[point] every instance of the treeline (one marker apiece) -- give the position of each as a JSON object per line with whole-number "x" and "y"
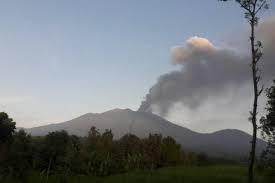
{"x": 96, "y": 154}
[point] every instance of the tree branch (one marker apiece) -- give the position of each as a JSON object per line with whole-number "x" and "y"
{"x": 261, "y": 90}
{"x": 260, "y": 7}
{"x": 245, "y": 7}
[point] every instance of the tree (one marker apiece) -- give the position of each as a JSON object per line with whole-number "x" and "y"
{"x": 268, "y": 126}
{"x": 171, "y": 152}
{"x": 127, "y": 153}
{"x": 107, "y": 141}
{"x": 104, "y": 152}
{"x": 251, "y": 10}
{"x": 74, "y": 156}
{"x": 55, "y": 150}
{"x": 93, "y": 138}
{"x": 7, "y": 127}
{"x": 19, "y": 158}
{"x": 153, "y": 149}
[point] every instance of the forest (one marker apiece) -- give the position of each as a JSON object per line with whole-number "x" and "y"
{"x": 58, "y": 156}
{"x": 96, "y": 154}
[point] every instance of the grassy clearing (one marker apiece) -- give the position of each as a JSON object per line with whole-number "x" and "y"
{"x": 213, "y": 174}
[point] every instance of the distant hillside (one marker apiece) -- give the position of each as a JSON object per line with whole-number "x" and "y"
{"x": 224, "y": 143}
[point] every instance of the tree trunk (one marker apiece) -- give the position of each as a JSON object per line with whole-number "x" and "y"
{"x": 48, "y": 170}
{"x": 255, "y": 103}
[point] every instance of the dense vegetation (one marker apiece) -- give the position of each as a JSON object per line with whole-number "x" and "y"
{"x": 268, "y": 128}
{"x": 97, "y": 154}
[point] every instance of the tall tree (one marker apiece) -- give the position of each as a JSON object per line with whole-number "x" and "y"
{"x": 251, "y": 10}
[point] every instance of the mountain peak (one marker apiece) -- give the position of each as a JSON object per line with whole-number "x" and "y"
{"x": 117, "y": 110}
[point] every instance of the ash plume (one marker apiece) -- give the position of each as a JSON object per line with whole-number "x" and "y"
{"x": 207, "y": 70}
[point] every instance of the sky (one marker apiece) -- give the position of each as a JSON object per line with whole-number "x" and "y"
{"x": 61, "y": 59}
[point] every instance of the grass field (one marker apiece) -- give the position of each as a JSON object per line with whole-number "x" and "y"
{"x": 213, "y": 174}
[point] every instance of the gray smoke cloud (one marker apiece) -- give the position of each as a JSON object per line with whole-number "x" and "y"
{"x": 206, "y": 71}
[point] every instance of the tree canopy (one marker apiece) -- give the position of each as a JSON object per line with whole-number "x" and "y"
{"x": 7, "y": 127}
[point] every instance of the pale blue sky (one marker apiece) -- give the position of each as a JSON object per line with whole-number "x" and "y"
{"x": 60, "y": 59}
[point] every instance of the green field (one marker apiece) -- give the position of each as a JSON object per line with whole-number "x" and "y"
{"x": 213, "y": 174}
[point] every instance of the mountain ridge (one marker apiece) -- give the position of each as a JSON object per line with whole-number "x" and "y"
{"x": 122, "y": 121}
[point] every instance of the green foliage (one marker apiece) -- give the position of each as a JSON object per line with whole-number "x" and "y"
{"x": 7, "y": 127}
{"x": 55, "y": 149}
{"x": 171, "y": 152}
{"x": 17, "y": 162}
{"x": 268, "y": 128}
{"x": 268, "y": 122}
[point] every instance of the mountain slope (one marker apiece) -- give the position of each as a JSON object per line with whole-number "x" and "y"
{"x": 224, "y": 143}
